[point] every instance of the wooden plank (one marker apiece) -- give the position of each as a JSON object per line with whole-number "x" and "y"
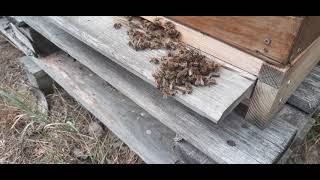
{"x": 307, "y": 96}
{"x": 37, "y": 77}
{"x": 151, "y": 140}
{"x": 299, "y": 119}
{"x": 218, "y": 49}
{"x": 6, "y": 29}
{"x": 249, "y": 33}
{"x": 29, "y": 42}
{"x": 214, "y": 102}
{"x": 252, "y": 145}
{"x": 267, "y": 100}
{"x": 302, "y": 121}
{"x": 188, "y": 154}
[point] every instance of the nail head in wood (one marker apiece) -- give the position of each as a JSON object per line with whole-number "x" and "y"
{"x": 231, "y": 143}
{"x": 267, "y": 41}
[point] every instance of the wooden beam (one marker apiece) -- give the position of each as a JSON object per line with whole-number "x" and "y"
{"x": 217, "y": 48}
{"x": 268, "y": 99}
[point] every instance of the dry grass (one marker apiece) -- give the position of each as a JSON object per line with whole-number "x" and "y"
{"x": 309, "y": 151}
{"x": 69, "y": 134}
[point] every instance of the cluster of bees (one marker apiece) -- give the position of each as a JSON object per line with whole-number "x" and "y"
{"x": 180, "y": 71}
{"x": 144, "y": 34}
{"x": 182, "y": 68}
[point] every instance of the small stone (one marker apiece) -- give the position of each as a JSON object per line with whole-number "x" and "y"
{"x": 95, "y": 129}
{"x": 79, "y": 154}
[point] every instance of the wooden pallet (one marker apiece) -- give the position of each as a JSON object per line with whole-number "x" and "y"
{"x": 232, "y": 140}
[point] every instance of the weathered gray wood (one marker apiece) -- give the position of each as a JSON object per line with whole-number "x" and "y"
{"x": 15, "y": 20}
{"x": 214, "y": 102}
{"x": 6, "y": 29}
{"x": 26, "y": 36}
{"x": 307, "y": 96}
{"x": 151, "y": 140}
{"x": 188, "y": 154}
{"x": 302, "y": 121}
{"x": 21, "y": 37}
{"x": 36, "y": 76}
{"x": 301, "y": 105}
{"x": 299, "y": 119}
{"x": 252, "y": 145}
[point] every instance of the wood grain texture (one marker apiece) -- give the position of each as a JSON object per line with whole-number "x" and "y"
{"x": 214, "y": 102}
{"x": 117, "y": 112}
{"x": 302, "y": 121}
{"x": 307, "y": 96}
{"x": 252, "y": 144}
{"x": 309, "y": 31}
{"x": 15, "y": 39}
{"x": 272, "y": 75}
{"x": 28, "y": 41}
{"x": 248, "y": 33}
{"x": 218, "y": 49}
{"x": 267, "y": 100}
{"x": 188, "y": 154}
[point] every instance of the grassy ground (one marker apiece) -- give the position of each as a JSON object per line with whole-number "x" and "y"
{"x": 309, "y": 151}
{"x": 68, "y": 134}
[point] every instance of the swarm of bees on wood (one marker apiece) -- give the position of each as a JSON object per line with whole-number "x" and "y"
{"x": 182, "y": 68}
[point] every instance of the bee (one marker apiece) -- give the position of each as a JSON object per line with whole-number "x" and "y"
{"x": 155, "y": 60}
{"x": 117, "y": 25}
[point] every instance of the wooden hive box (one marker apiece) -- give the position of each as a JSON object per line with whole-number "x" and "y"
{"x": 275, "y": 39}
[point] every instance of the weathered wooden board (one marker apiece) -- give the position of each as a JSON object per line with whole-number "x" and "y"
{"x": 188, "y": 154}
{"x": 250, "y": 33}
{"x": 214, "y": 102}
{"x": 28, "y": 41}
{"x": 307, "y": 96}
{"x": 36, "y": 76}
{"x": 15, "y": 39}
{"x": 302, "y": 121}
{"x": 252, "y": 145}
{"x": 150, "y": 139}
